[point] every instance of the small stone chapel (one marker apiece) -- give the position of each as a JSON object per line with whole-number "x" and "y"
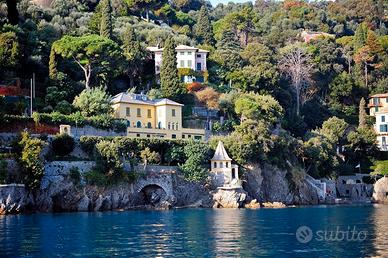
{"x": 224, "y": 173}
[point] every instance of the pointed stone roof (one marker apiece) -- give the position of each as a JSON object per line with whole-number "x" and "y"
{"x": 221, "y": 153}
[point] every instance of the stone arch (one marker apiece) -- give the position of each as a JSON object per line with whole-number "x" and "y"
{"x": 152, "y": 194}
{"x": 138, "y": 124}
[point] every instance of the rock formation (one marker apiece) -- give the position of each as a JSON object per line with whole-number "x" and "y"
{"x": 380, "y": 192}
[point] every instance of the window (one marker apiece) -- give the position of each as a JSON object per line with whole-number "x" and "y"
{"x": 199, "y": 55}
{"x": 382, "y": 118}
{"x": 138, "y": 112}
{"x": 189, "y": 136}
{"x": 182, "y": 53}
{"x": 183, "y": 136}
{"x": 176, "y": 126}
{"x": 160, "y": 125}
{"x": 376, "y": 101}
{"x": 376, "y": 109}
{"x": 172, "y": 126}
{"x": 173, "y": 136}
{"x": 215, "y": 164}
{"x": 384, "y": 140}
{"x": 169, "y": 126}
{"x": 149, "y": 125}
{"x": 199, "y": 66}
{"x": 182, "y": 63}
{"x": 148, "y": 136}
{"x": 383, "y": 128}
{"x": 138, "y": 124}
{"x": 197, "y": 137}
{"x": 173, "y": 112}
{"x": 189, "y": 63}
{"x": 227, "y": 164}
{"x": 157, "y": 68}
{"x": 221, "y": 165}
{"x": 189, "y": 53}
{"x": 149, "y": 113}
{"x": 138, "y": 135}
{"x": 128, "y": 111}
{"x": 386, "y": 100}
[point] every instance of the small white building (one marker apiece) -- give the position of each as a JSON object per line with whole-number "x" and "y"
{"x": 224, "y": 173}
{"x": 187, "y": 57}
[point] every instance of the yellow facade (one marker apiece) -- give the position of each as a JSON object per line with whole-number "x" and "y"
{"x": 377, "y": 103}
{"x": 160, "y": 118}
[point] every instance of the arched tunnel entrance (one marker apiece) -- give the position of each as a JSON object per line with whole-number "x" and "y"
{"x": 152, "y": 195}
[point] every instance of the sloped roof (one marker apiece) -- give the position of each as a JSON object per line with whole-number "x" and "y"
{"x": 141, "y": 99}
{"x": 221, "y": 153}
{"x": 179, "y": 47}
{"x": 382, "y": 95}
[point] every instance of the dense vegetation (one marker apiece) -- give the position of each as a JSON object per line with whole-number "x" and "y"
{"x": 286, "y": 101}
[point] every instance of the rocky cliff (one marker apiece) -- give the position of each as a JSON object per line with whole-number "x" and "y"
{"x": 162, "y": 187}
{"x": 380, "y": 190}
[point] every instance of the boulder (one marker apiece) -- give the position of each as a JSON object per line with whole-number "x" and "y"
{"x": 380, "y": 192}
{"x": 274, "y": 205}
{"x": 229, "y": 198}
{"x": 252, "y": 205}
{"x": 14, "y": 199}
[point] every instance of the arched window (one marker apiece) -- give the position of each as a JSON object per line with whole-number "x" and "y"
{"x": 226, "y": 164}
{"x": 172, "y": 126}
{"x": 169, "y": 126}
{"x": 160, "y": 125}
{"x": 149, "y": 125}
{"x": 215, "y": 164}
{"x": 176, "y": 127}
{"x": 138, "y": 124}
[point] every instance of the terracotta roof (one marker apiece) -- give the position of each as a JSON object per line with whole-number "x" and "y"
{"x": 141, "y": 99}
{"x": 381, "y": 95}
{"x": 221, "y": 153}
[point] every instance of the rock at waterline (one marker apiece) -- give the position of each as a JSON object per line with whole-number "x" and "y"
{"x": 380, "y": 190}
{"x": 229, "y": 198}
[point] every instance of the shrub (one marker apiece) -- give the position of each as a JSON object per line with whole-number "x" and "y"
{"x": 93, "y": 102}
{"x": 194, "y": 86}
{"x": 75, "y": 175}
{"x": 197, "y": 157}
{"x": 95, "y": 177}
{"x": 107, "y": 157}
{"x": 62, "y": 144}
{"x": 31, "y": 161}
{"x": 149, "y": 156}
{"x": 3, "y": 171}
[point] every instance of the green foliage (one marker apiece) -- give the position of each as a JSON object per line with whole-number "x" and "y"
{"x": 203, "y": 28}
{"x": 380, "y": 167}
{"x": 195, "y": 167}
{"x": 170, "y": 82}
{"x": 108, "y": 158}
{"x": 96, "y": 177}
{"x": 106, "y": 26}
{"x": 75, "y": 176}
{"x": 175, "y": 155}
{"x": 149, "y": 156}
{"x": 62, "y": 144}
{"x": 334, "y": 129}
{"x": 31, "y": 161}
{"x": 3, "y": 171}
{"x": 9, "y": 51}
{"x": 93, "y": 102}
{"x": 259, "y": 107}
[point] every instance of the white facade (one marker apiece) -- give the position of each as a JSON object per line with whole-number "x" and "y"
{"x": 381, "y": 128}
{"x": 224, "y": 173}
{"x": 187, "y": 57}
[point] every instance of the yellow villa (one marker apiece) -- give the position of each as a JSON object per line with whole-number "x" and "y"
{"x": 159, "y": 118}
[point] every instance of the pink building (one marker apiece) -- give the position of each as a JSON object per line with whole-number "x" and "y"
{"x": 187, "y": 57}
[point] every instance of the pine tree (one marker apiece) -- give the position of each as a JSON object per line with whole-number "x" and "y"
{"x": 360, "y": 36}
{"x": 362, "y": 114}
{"x": 170, "y": 82}
{"x": 373, "y": 43}
{"x": 106, "y": 27}
{"x": 203, "y": 30}
{"x": 133, "y": 53}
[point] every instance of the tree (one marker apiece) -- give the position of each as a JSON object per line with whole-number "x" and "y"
{"x": 209, "y": 97}
{"x": 361, "y": 35}
{"x": 362, "y": 114}
{"x": 365, "y": 58}
{"x": 13, "y": 13}
{"x": 133, "y": 53}
{"x": 108, "y": 157}
{"x": 106, "y": 26}
{"x": 259, "y": 108}
{"x": 334, "y": 129}
{"x": 31, "y": 160}
{"x": 197, "y": 156}
{"x": 296, "y": 63}
{"x": 93, "y": 102}
{"x": 170, "y": 82}
{"x": 92, "y": 53}
{"x": 149, "y": 156}
{"x": 9, "y": 50}
{"x": 62, "y": 144}
{"x": 145, "y": 5}
{"x": 203, "y": 28}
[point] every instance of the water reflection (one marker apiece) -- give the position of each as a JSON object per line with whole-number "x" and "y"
{"x": 380, "y": 226}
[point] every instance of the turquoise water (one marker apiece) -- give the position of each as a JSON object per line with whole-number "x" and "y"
{"x": 199, "y": 233}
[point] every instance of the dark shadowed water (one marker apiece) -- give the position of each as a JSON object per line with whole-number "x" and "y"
{"x": 331, "y": 231}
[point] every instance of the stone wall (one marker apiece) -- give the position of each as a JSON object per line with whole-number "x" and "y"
{"x": 77, "y": 132}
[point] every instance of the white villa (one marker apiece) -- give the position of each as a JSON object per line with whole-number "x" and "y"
{"x": 191, "y": 58}
{"x": 224, "y": 173}
{"x": 378, "y": 107}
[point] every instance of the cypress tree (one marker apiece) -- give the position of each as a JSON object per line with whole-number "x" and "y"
{"x": 53, "y": 66}
{"x": 170, "y": 82}
{"x": 133, "y": 53}
{"x": 203, "y": 30}
{"x": 361, "y": 35}
{"x": 362, "y": 114}
{"x": 106, "y": 27}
